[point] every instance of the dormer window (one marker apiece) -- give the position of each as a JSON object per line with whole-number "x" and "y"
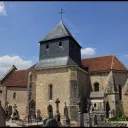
{"x": 60, "y": 44}
{"x": 47, "y": 46}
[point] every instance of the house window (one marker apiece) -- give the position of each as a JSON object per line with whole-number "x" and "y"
{"x": 96, "y": 87}
{"x": 50, "y": 92}
{"x": 47, "y": 46}
{"x": 60, "y": 43}
{"x": 14, "y": 95}
{"x": 120, "y": 92}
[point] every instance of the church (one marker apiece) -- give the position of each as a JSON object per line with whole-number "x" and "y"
{"x": 61, "y": 73}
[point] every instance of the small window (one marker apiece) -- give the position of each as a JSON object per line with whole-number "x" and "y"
{"x": 47, "y": 46}
{"x": 120, "y": 92}
{"x": 60, "y": 43}
{"x": 14, "y": 95}
{"x": 96, "y": 87}
{"x": 50, "y": 92}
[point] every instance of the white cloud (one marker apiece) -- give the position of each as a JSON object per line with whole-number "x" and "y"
{"x": 2, "y": 9}
{"x": 6, "y": 63}
{"x": 88, "y": 51}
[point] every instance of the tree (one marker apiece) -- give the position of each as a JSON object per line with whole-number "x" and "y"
{"x": 119, "y": 111}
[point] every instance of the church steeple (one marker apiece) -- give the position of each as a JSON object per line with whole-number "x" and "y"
{"x": 59, "y": 48}
{"x": 60, "y": 31}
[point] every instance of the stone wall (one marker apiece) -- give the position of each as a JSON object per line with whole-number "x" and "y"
{"x": 21, "y": 98}
{"x": 66, "y": 82}
{"x": 79, "y": 86}
{"x": 59, "y": 79}
{"x": 101, "y": 78}
{"x": 121, "y": 79}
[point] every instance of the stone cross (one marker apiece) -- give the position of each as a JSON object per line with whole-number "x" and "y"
{"x": 57, "y": 111}
{"x": 15, "y": 113}
{"x": 57, "y": 105}
{"x": 61, "y": 13}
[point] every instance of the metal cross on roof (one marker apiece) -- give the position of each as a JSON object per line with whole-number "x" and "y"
{"x": 61, "y": 13}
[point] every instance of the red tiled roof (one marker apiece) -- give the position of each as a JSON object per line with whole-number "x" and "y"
{"x": 17, "y": 78}
{"x": 103, "y": 63}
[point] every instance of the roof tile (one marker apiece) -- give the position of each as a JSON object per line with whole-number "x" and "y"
{"x": 17, "y": 78}
{"x": 103, "y": 63}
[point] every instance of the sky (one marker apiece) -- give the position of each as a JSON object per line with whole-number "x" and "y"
{"x": 101, "y": 28}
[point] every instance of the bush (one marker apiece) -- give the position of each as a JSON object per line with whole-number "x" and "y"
{"x": 119, "y": 111}
{"x": 116, "y": 118}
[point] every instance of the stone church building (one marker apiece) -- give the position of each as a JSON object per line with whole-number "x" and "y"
{"x": 61, "y": 73}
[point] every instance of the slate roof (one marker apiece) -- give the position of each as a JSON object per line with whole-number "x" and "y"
{"x": 103, "y": 63}
{"x": 59, "y": 31}
{"x": 96, "y": 94}
{"x": 17, "y": 78}
{"x": 53, "y": 62}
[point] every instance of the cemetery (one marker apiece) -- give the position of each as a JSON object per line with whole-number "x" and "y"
{"x": 84, "y": 119}
{"x": 85, "y": 92}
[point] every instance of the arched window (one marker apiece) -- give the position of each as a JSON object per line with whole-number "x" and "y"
{"x": 14, "y": 95}
{"x": 96, "y": 86}
{"x": 120, "y": 92}
{"x": 50, "y": 92}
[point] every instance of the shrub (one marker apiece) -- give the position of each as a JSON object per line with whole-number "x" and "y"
{"x": 116, "y": 118}
{"x": 119, "y": 111}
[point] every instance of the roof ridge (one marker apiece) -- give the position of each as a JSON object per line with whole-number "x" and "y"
{"x": 22, "y": 70}
{"x": 97, "y": 56}
{"x": 4, "y": 76}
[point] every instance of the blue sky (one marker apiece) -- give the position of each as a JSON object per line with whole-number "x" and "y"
{"x": 101, "y": 28}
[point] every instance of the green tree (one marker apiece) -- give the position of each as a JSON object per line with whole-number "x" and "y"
{"x": 119, "y": 111}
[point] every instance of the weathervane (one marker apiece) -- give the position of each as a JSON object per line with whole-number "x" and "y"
{"x": 61, "y": 13}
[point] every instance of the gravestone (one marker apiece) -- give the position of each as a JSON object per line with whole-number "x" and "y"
{"x": 95, "y": 120}
{"x": 15, "y": 113}
{"x": 9, "y": 111}
{"x": 86, "y": 119}
{"x": 80, "y": 117}
{"x": 6, "y": 109}
{"x": 39, "y": 118}
{"x": 32, "y": 113}
{"x": 50, "y": 121}
{"x": 66, "y": 121}
{"x": 50, "y": 111}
